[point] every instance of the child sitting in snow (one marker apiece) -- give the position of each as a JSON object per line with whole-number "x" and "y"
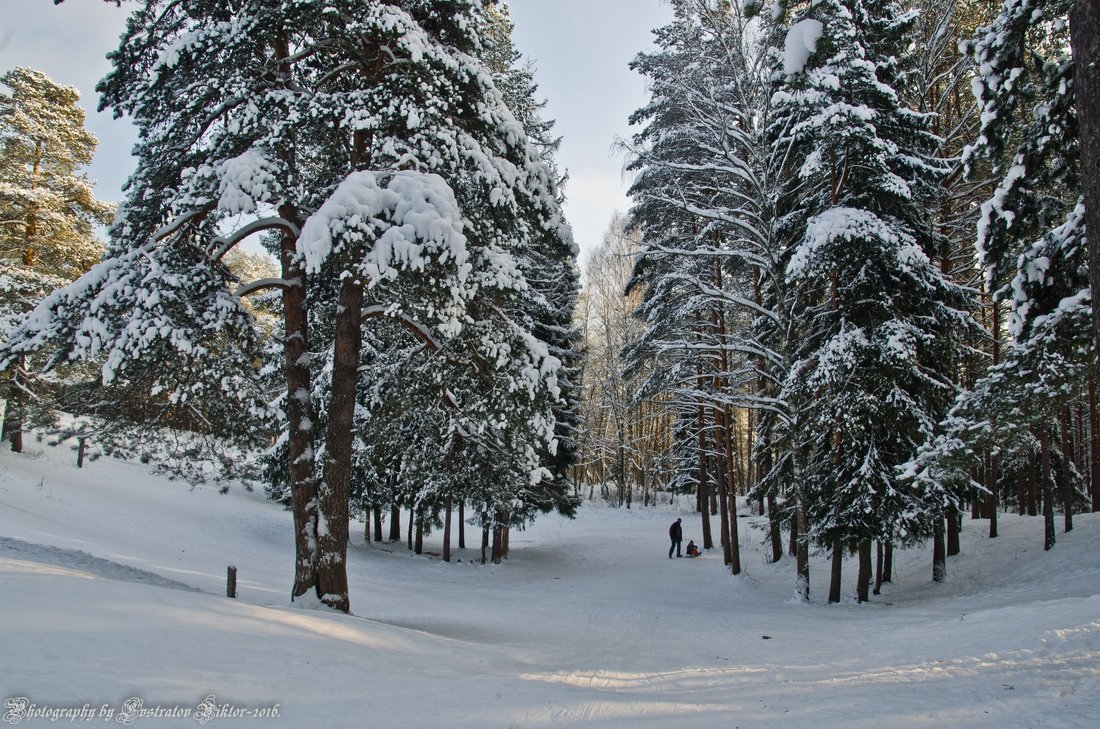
{"x": 692, "y": 550}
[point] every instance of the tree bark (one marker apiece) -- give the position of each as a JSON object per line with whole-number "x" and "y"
{"x": 953, "y": 529}
{"x": 704, "y": 481}
{"x": 332, "y": 541}
{"x": 939, "y": 552}
{"x": 863, "y": 580}
{"x": 301, "y": 468}
{"x": 447, "y": 530}
{"x": 377, "y": 523}
{"x": 395, "y": 523}
{"x": 1084, "y": 28}
{"x": 878, "y": 568}
{"x": 773, "y": 529}
{"x": 836, "y": 572}
{"x": 461, "y": 524}
{"x": 1067, "y": 462}
{"x": 1048, "y": 495}
{"x": 1094, "y": 446}
{"x": 888, "y": 562}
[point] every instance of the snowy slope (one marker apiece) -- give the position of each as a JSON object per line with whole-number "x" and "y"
{"x": 112, "y": 587}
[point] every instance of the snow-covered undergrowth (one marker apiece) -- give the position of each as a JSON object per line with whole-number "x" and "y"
{"x": 587, "y": 624}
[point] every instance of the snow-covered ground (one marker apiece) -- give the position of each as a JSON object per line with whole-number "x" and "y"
{"x": 112, "y": 587}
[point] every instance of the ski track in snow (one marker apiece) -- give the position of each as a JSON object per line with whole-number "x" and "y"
{"x": 17, "y": 555}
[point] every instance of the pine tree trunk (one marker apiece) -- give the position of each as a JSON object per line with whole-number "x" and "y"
{"x": 773, "y": 529}
{"x": 953, "y": 529}
{"x": 731, "y": 484}
{"x": 1067, "y": 461}
{"x": 888, "y": 562}
{"x": 939, "y": 552}
{"x": 878, "y": 568}
{"x": 991, "y": 497}
{"x": 497, "y": 529}
{"x": 722, "y": 483}
{"x": 395, "y": 523}
{"x": 332, "y": 542}
{"x": 1094, "y": 446}
{"x": 13, "y": 419}
{"x": 1032, "y": 486}
{"x": 1085, "y": 43}
{"x": 704, "y": 480}
{"x": 506, "y": 531}
{"x": 1048, "y": 495}
{"x": 484, "y": 537}
{"x": 301, "y": 467}
{"x": 863, "y": 580}
{"x": 836, "y": 572}
{"x": 447, "y": 530}
{"x": 377, "y": 513}
{"x": 461, "y": 524}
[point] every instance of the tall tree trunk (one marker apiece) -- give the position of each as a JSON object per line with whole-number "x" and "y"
{"x": 837, "y": 571}
{"x": 1048, "y": 495}
{"x": 704, "y": 481}
{"x": 863, "y": 580}
{"x": 497, "y": 529}
{"x": 1032, "y": 486}
{"x": 377, "y": 523}
{"x": 332, "y": 542}
{"x": 506, "y": 531}
{"x": 722, "y": 483}
{"x": 1067, "y": 462}
{"x": 395, "y": 523}
{"x": 447, "y": 530}
{"x": 1094, "y": 446}
{"x": 939, "y": 552}
{"x": 461, "y": 524}
{"x": 299, "y": 407}
{"x": 731, "y": 483}
{"x": 878, "y": 568}
{"x": 888, "y": 562}
{"x": 953, "y": 528}
{"x": 418, "y": 540}
{"x": 773, "y": 529}
{"x": 1084, "y": 28}
{"x": 994, "y": 475}
{"x": 13, "y": 420}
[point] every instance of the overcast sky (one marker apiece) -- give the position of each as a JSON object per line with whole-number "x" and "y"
{"x": 581, "y": 49}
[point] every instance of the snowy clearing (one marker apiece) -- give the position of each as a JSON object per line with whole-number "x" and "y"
{"x": 112, "y": 587}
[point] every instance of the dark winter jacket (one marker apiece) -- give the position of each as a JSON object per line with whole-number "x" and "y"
{"x": 675, "y": 532}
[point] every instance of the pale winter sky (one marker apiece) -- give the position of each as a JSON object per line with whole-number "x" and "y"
{"x": 581, "y": 49}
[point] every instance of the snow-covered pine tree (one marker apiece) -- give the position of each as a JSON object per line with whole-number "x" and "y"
{"x": 369, "y": 137}
{"x": 1032, "y": 248}
{"x": 48, "y": 210}
{"x": 881, "y": 322}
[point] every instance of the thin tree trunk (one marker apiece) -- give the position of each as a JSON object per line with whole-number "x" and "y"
{"x": 939, "y": 552}
{"x": 992, "y": 497}
{"x": 863, "y": 580}
{"x": 447, "y": 530}
{"x": 1084, "y": 30}
{"x": 1067, "y": 462}
{"x": 878, "y": 568}
{"x": 13, "y": 420}
{"x": 704, "y": 481}
{"x": 418, "y": 539}
{"x": 506, "y": 531}
{"x": 395, "y": 523}
{"x": 773, "y": 529}
{"x": 836, "y": 572}
{"x": 1048, "y": 495}
{"x": 888, "y": 562}
{"x": 1094, "y": 446}
{"x": 953, "y": 528}
{"x": 461, "y": 524}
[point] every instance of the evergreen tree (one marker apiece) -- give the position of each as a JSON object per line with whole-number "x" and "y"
{"x": 48, "y": 210}
{"x": 881, "y": 320}
{"x": 371, "y": 143}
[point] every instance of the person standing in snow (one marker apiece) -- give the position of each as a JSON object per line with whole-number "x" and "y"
{"x": 676, "y": 534}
